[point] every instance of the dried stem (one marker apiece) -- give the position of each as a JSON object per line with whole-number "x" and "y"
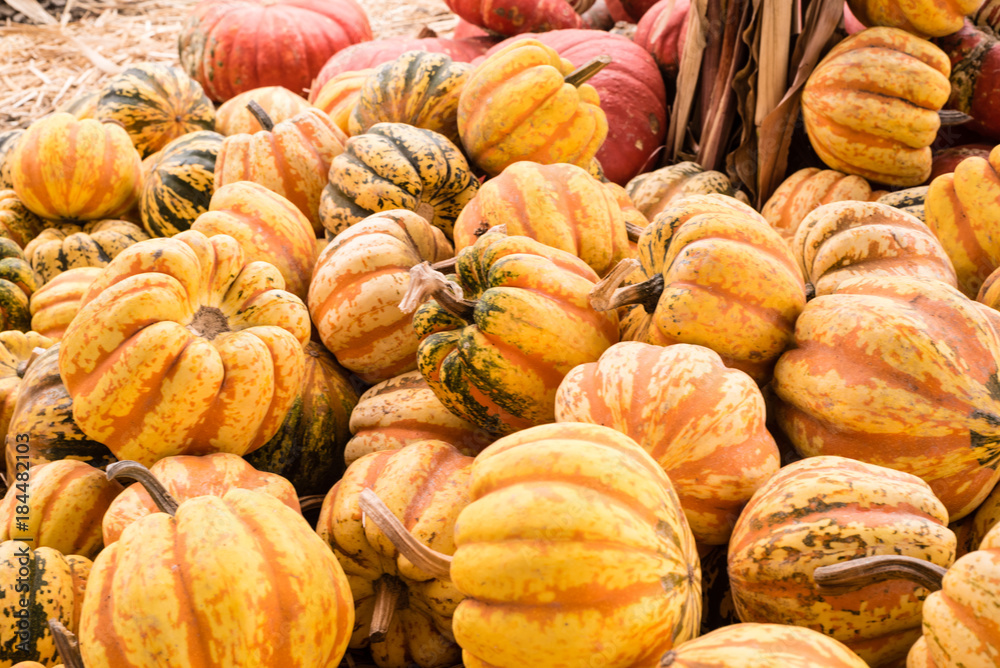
{"x": 633, "y": 231}
{"x": 951, "y": 117}
{"x": 387, "y": 591}
{"x": 603, "y": 291}
{"x": 127, "y": 471}
{"x": 587, "y": 70}
{"x": 66, "y": 644}
{"x": 448, "y": 265}
{"x": 581, "y": 6}
{"x": 261, "y": 115}
{"x": 312, "y": 502}
{"x": 849, "y": 576}
{"x": 425, "y": 283}
{"x": 430, "y": 561}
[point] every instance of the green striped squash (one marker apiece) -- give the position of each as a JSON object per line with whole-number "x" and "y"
{"x": 910, "y": 200}
{"x": 18, "y": 222}
{"x": 180, "y": 183}
{"x": 8, "y": 140}
{"x": 308, "y": 449}
{"x": 155, "y": 103}
{"x": 68, "y": 246}
{"x": 17, "y": 283}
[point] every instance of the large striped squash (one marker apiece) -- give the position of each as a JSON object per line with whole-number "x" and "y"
{"x": 267, "y": 226}
{"x": 244, "y": 557}
{"x": 843, "y": 239}
{"x": 762, "y": 646}
{"x": 69, "y": 246}
{"x": 900, "y": 372}
{"x": 183, "y": 347}
{"x": 54, "y": 583}
{"x": 397, "y": 166}
{"x": 825, "y": 510}
{"x": 560, "y": 205}
{"x": 359, "y": 280}
{"x": 404, "y": 410}
{"x": 18, "y": 282}
{"x": 17, "y": 222}
{"x": 54, "y": 305}
{"x": 573, "y": 543}
{"x": 702, "y": 422}
{"x": 291, "y": 158}
{"x": 280, "y": 104}
{"x": 659, "y": 189}
{"x": 403, "y": 613}
{"x": 179, "y": 184}
{"x": 8, "y": 140}
{"x": 497, "y": 356}
{"x": 308, "y": 449}
{"x": 69, "y": 169}
{"x": 18, "y": 351}
{"x": 808, "y": 189}
{"x": 155, "y": 103}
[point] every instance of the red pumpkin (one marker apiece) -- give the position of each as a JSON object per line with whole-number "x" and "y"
{"x": 945, "y": 160}
{"x": 630, "y": 11}
{"x": 662, "y": 31}
{"x": 514, "y": 17}
{"x": 632, "y": 94}
{"x": 975, "y": 77}
{"x": 232, "y": 46}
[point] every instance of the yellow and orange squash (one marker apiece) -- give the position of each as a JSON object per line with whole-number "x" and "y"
{"x": 762, "y": 646}
{"x": 181, "y": 346}
{"x": 233, "y": 118}
{"x": 923, "y": 18}
{"x": 18, "y": 351}
{"x": 54, "y": 305}
{"x": 806, "y": 190}
{"x": 18, "y": 282}
{"x": 69, "y": 246}
{"x": 338, "y": 96}
{"x": 8, "y": 140}
{"x": 17, "y": 222}
{"x": 655, "y": 191}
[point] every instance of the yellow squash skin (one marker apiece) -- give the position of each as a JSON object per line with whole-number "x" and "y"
{"x": 186, "y": 477}
{"x": 57, "y": 249}
{"x": 960, "y": 621}
{"x": 233, "y": 118}
{"x": 419, "y": 88}
{"x": 292, "y": 159}
{"x": 397, "y": 166}
{"x": 730, "y": 283}
{"x": 560, "y": 205}
{"x": 517, "y": 105}
{"x": 824, "y": 510}
{"x": 63, "y": 168}
{"x": 655, "y": 191}
{"x": 339, "y": 95}
{"x": 701, "y": 421}
{"x": 762, "y": 646}
{"x": 870, "y": 106}
{"x": 359, "y": 280}
{"x": 899, "y": 372}
{"x": 66, "y": 500}
{"x": 404, "y": 410}
{"x": 532, "y": 323}
{"x": 17, "y": 222}
{"x": 923, "y": 18}
{"x": 962, "y": 208}
{"x": 808, "y": 189}
{"x": 16, "y": 351}
{"x": 208, "y": 345}
{"x": 843, "y": 239}
{"x": 53, "y": 305}
{"x": 575, "y": 545}
{"x": 52, "y": 587}
{"x": 267, "y": 226}
{"x": 240, "y": 580}
{"x": 425, "y": 485}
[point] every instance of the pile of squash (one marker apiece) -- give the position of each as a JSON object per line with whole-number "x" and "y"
{"x": 435, "y": 364}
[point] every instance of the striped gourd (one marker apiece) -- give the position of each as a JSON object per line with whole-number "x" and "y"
{"x": 910, "y": 200}
{"x": 419, "y": 88}
{"x": 843, "y": 239}
{"x": 17, "y": 222}
{"x": 308, "y": 449}
{"x": 702, "y": 422}
{"x": 17, "y": 354}
{"x": 404, "y": 410}
{"x": 18, "y": 281}
{"x": 900, "y": 372}
{"x": 825, "y": 510}
{"x": 807, "y": 189}
{"x": 8, "y": 140}
{"x": 55, "y": 586}
{"x": 397, "y": 166}
{"x": 179, "y": 184}
{"x": 233, "y": 117}
{"x": 57, "y": 249}
{"x": 654, "y": 191}
{"x": 338, "y": 96}
{"x": 54, "y": 304}
{"x": 155, "y": 103}
{"x": 762, "y": 646}
{"x": 496, "y": 357}
{"x": 44, "y": 411}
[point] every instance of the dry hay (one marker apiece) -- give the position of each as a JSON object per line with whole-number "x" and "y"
{"x": 42, "y": 67}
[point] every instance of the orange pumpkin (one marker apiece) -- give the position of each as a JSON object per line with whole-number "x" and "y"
{"x": 279, "y": 103}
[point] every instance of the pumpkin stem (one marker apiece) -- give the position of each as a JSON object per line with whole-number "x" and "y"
{"x": 603, "y": 293}
{"x": 430, "y": 561}
{"x": 311, "y": 502}
{"x": 633, "y": 231}
{"x": 668, "y": 659}
{"x": 387, "y": 591}
{"x": 581, "y": 6}
{"x": 448, "y": 265}
{"x": 261, "y": 115}
{"x": 128, "y": 470}
{"x": 425, "y": 211}
{"x": 426, "y": 283}
{"x": 849, "y": 576}
{"x": 66, "y": 644}
{"x": 587, "y": 70}
{"x": 951, "y": 117}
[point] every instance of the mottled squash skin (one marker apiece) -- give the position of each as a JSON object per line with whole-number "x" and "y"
{"x": 179, "y": 184}
{"x": 824, "y": 510}
{"x": 56, "y": 585}
{"x": 806, "y": 190}
{"x": 426, "y": 486}
{"x": 923, "y": 18}
{"x": 57, "y": 249}
{"x": 339, "y": 95}
{"x": 656, "y": 191}
{"x": 762, "y": 646}
{"x": 54, "y": 305}
{"x": 233, "y": 117}
{"x": 17, "y": 354}
{"x": 18, "y": 281}
{"x": 17, "y": 222}
{"x": 572, "y": 542}
{"x": 8, "y": 140}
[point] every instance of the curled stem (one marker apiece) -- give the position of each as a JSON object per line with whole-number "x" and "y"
{"x": 849, "y": 576}
{"x": 430, "y": 561}
{"x": 128, "y": 471}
